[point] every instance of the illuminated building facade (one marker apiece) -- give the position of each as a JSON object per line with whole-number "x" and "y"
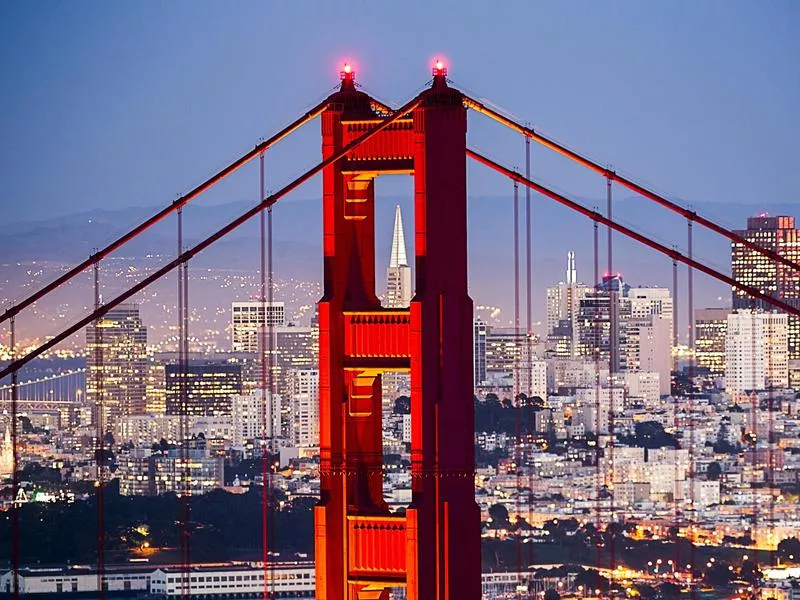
{"x": 116, "y": 349}
{"x": 304, "y": 419}
{"x": 563, "y": 302}
{"x": 756, "y": 351}
{"x": 209, "y": 388}
{"x": 479, "y": 332}
{"x": 710, "y": 328}
{"x": 779, "y": 235}
{"x": 606, "y": 304}
{"x": 247, "y": 319}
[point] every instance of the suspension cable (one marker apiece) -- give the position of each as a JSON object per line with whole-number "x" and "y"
{"x": 199, "y": 247}
{"x": 517, "y": 388}
{"x": 614, "y": 359}
{"x": 100, "y": 426}
{"x": 599, "y": 469}
{"x": 691, "y": 406}
{"x": 651, "y": 195}
{"x": 628, "y": 232}
{"x": 529, "y": 318}
{"x": 98, "y": 255}
{"x": 263, "y": 352}
{"x": 15, "y": 505}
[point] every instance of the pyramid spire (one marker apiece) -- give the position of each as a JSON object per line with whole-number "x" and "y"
{"x": 398, "y": 257}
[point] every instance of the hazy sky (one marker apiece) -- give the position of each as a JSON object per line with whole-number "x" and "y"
{"x": 116, "y": 104}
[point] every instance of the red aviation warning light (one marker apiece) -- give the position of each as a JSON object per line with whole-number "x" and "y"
{"x": 347, "y": 72}
{"x": 439, "y": 70}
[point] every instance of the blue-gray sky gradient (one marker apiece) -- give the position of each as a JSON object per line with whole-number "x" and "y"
{"x": 130, "y": 103}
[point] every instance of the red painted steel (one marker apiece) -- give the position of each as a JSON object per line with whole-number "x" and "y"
{"x": 631, "y": 185}
{"x": 361, "y": 548}
{"x": 270, "y": 200}
{"x": 642, "y": 239}
{"x": 164, "y": 212}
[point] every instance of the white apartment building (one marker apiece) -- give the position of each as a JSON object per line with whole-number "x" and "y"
{"x": 304, "y": 399}
{"x": 756, "y": 351}
{"x": 644, "y": 385}
{"x": 649, "y": 348}
{"x": 254, "y": 419}
{"x": 247, "y": 319}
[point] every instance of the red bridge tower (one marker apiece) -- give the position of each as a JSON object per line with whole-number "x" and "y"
{"x": 362, "y": 548}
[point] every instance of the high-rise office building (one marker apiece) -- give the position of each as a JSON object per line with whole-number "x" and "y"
{"x": 253, "y": 419}
{"x": 601, "y": 307}
{"x": 304, "y": 426}
{"x": 398, "y": 274}
{"x": 649, "y": 333}
{"x": 648, "y": 348}
{"x": 651, "y": 301}
{"x": 116, "y": 363}
{"x": 399, "y": 291}
{"x": 209, "y": 388}
{"x": 247, "y": 319}
{"x": 479, "y": 331}
{"x": 756, "y": 351}
{"x": 500, "y": 360}
{"x": 710, "y": 328}
{"x": 563, "y": 302}
{"x": 779, "y": 235}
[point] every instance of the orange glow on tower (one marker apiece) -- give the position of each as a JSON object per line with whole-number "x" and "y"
{"x": 362, "y": 549}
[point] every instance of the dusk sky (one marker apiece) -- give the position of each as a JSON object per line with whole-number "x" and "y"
{"x": 119, "y": 104}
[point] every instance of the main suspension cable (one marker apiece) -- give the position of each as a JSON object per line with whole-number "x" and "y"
{"x": 606, "y": 172}
{"x": 214, "y": 237}
{"x": 181, "y": 201}
{"x": 634, "y": 235}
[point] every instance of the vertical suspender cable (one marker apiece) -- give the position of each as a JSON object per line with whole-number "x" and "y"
{"x": 597, "y": 420}
{"x": 675, "y": 311}
{"x": 270, "y": 369}
{"x": 754, "y": 409}
{"x": 517, "y": 347}
{"x": 676, "y": 510}
{"x": 517, "y": 388}
{"x": 613, "y": 366}
{"x": 15, "y": 467}
{"x": 691, "y": 457}
{"x": 187, "y": 472}
{"x": 529, "y": 300}
{"x": 184, "y": 488}
{"x": 264, "y": 397}
{"x": 771, "y": 451}
{"x": 99, "y": 435}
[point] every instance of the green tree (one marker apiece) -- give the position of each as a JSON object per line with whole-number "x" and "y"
{"x": 499, "y": 516}
{"x": 402, "y": 405}
{"x": 551, "y": 594}
{"x": 714, "y": 471}
{"x": 789, "y": 549}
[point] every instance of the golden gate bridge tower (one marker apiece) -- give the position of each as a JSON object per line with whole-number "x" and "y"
{"x": 362, "y": 549}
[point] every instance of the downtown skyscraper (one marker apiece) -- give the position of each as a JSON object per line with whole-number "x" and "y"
{"x": 398, "y": 275}
{"x": 779, "y": 235}
{"x": 399, "y": 291}
{"x": 563, "y": 302}
{"x": 116, "y": 366}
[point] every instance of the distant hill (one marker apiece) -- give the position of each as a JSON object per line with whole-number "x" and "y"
{"x": 297, "y": 225}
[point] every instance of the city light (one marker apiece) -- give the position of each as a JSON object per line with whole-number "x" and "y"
{"x": 596, "y": 429}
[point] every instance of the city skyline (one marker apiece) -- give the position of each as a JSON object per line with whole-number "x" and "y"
{"x": 390, "y": 391}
